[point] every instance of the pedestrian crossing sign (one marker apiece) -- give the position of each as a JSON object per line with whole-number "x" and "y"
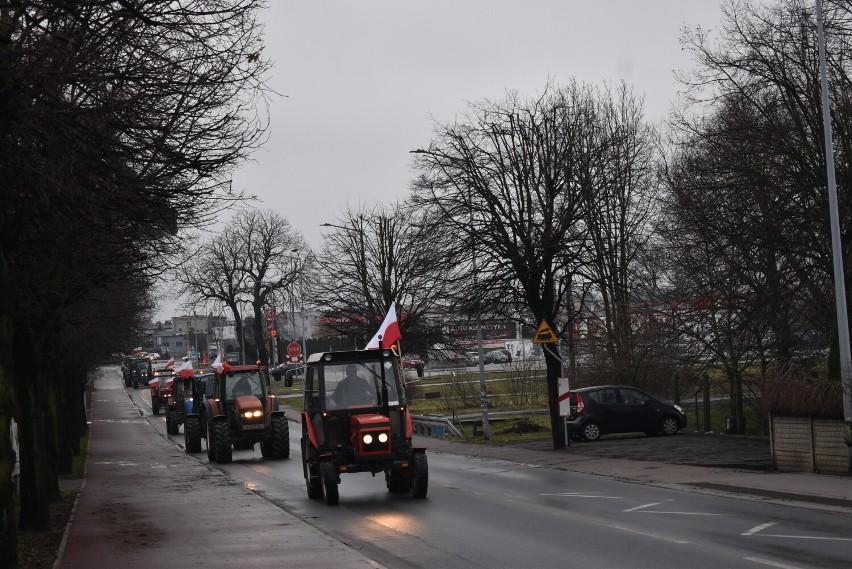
{"x": 545, "y": 334}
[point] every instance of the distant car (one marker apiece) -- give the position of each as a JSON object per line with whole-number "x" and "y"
{"x": 606, "y": 409}
{"x": 496, "y": 357}
{"x": 287, "y": 369}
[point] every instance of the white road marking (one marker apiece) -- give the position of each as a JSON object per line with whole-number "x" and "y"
{"x": 761, "y": 527}
{"x": 651, "y": 505}
{"x": 582, "y": 495}
{"x": 771, "y": 563}
{"x": 649, "y": 534}
{"x": 816, "y": 537}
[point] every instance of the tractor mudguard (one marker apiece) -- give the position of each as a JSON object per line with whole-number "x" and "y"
{"x": 312, "y": 435}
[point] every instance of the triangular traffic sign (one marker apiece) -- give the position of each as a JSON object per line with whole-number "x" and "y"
{"x": 545, "y": 334}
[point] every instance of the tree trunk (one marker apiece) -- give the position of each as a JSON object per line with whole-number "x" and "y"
{"x": 8, "y": 531}
{"x": 35, "y": 484}
{"x": 554, "y": 370}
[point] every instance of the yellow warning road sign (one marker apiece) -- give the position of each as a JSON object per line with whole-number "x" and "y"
{"x": 544, "y": 335}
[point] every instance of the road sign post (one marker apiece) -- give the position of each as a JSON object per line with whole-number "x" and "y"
{"x": 565, "y": 405}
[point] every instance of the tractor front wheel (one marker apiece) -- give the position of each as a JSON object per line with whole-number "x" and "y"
{"x": 312, "y": 479}
{"x": 280, "y": 437}
{"x": 172, "y": 423}
{"x": 211, "y": 443}
{"x": 222, "y": 442}
{"x": 419, "y": 475}
{"x": 192, "y": 434}
{"x": 328, "y": 476}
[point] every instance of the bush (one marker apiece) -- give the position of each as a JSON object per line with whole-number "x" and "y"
{"x": 791, "y": 391}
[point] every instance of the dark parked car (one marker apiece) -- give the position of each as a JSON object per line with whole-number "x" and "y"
{"x": 605, "y": 409}
{"x": 497, "y": 357}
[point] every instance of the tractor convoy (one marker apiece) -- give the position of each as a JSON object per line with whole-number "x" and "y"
{"x": 355, "y": 417}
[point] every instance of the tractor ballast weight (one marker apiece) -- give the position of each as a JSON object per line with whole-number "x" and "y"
{"x": 356, "y": 419}
{"x": 239, "y": 411}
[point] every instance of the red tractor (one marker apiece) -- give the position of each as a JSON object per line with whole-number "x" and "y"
{"x": 161, "y": 388}
{"x": 184, "y": 406}
{"x": 356, "y": 419}
{"x": 239, "y": 411}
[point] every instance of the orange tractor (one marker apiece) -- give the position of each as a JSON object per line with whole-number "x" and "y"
{"x": 239, "y": 411}
{"x": 356, "y": 419}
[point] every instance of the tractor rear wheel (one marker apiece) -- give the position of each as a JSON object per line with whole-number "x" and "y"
{"x": 328, "y": 476}
{"x": 419, "y": 475}
{"x": 280, "y": 437}
{"x": 222, "y": 442}
{"x": 192, "y": 434}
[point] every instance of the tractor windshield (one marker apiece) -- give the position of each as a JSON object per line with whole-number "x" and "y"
{"x": 243, "y": 383}
{"x": 358, "y": 384}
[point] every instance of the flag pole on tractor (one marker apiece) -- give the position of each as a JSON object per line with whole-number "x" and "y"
{"x": 388, "y": 331}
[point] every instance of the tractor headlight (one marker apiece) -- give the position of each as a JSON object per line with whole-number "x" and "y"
{"x": 383, "y": 437}
{"x": 368, "y": 439}
{"x": 253, "y": 414}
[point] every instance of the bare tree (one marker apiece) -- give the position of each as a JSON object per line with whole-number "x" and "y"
{"x": 377, "y": 256}
{"x": 511, "y": 184}
{"x": 120, "y": 123}
{"x": 269, "y": 243}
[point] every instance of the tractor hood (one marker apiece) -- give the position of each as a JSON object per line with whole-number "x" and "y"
{"x": 368, "y": 420}
{"x": 247, "y": 403}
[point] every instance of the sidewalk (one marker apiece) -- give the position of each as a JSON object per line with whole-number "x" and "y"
{"x": 145, "y": 504}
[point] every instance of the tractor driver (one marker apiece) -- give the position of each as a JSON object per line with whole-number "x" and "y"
{"x": 353, "y": 390}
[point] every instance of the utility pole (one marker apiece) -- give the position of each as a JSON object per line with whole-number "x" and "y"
{"x": 836, "y": 245}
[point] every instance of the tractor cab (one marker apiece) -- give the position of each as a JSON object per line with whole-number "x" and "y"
{"x": 356, "y": 419}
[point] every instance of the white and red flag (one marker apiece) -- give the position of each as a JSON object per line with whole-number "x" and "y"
{"x": 217, "y": 363}
{"x": 171, "y": 363}
{"x": 184, "y": 369}
{"x": 389, "y": 331}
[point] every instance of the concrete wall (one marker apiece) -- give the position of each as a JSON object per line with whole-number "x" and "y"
{"x": 802, "y": 444}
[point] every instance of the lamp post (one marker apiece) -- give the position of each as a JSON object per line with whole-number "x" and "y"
{"x": 837, "y": 255}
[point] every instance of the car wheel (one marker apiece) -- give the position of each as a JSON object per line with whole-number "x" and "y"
{"x": 328, "y": 476}
{"x": 419, "y": 475}
{"x": 668, "y": 426}
{"x": 591, "y": 431}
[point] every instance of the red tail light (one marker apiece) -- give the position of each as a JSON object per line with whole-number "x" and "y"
{"x": 580, "y": 404}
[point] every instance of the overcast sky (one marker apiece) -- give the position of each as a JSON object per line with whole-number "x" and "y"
{"x": 361, "y": 82}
